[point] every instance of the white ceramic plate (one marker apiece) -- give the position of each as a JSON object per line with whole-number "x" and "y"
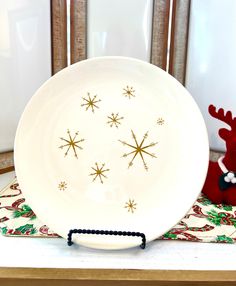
{"x": 111, "y": 143}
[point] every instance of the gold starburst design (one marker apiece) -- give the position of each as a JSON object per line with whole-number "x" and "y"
{"x": 99, "y": 172}
{"x": 62, "y": 186}
{"x": 139, "y": 148}
{"x": 129, "y": 92}
{"x": 90, "y": 102}
{"x": 71, "y": 143}
{"x": 160, "y": 121}
{"x": 114, "y": 119}
{"x": 130, "y": 205}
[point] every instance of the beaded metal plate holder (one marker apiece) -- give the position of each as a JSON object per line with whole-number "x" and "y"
{"x": 106, "y": 232}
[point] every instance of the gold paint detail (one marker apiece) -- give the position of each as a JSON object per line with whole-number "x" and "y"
{"x": 99, "y": 172}
{"x": 114, "y": 120}
{"x": 71, "y": 143}
{"x": 138, "y": 148}
{"x": 90, "y": 102}
{"x": 62, "y": 186}
{"x": 130, "y": 205}
{"x": 160, "y": 121}
{"x": 129, "y": 92}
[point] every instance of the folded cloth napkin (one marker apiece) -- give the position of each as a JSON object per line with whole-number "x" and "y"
{"x": 205, "y": 222}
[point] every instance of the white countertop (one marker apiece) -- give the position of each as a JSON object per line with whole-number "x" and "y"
{"x": 171, "y": 255}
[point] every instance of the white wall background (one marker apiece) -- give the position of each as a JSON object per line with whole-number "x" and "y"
{"x": 25, "y": 59}
{"x": 120, "y": 28}
{"x": 211, "y": 66}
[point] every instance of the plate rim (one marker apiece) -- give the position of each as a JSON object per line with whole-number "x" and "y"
{"x": 99, "y": 59}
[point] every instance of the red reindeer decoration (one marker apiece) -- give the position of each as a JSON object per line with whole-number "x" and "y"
{"x": 220, "y": 184}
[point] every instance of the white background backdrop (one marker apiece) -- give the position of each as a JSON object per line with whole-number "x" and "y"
{"x": 25, "y": 59}
{"x": 211, "y": 68}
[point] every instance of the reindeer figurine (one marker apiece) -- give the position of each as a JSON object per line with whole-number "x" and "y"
{"x": 220, "y": 184}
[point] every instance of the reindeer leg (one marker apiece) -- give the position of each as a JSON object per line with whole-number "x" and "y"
{"x": 211, "y": 187}
{"x": 230, "y": 196}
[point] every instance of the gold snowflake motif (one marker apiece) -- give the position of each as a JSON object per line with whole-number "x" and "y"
{"x": 90, "y": 102}
{"x": 160, "y": 121}
{"x": 129, "y": 92}
{"x": 138, "y": 148}
{"x": 71, "y": 143}
{"x": 130, "y": 205}
{"x": 62, "y": 186}
{"x": 99, "y": 172}
{"x": 114, "y": 120}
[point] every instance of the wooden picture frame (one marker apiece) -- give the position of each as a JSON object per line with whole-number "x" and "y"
{"x": 6, "y": 162}
{"x": 78, "y": 39}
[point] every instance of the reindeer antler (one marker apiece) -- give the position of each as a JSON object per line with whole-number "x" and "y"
{"x": 220, "y": 114}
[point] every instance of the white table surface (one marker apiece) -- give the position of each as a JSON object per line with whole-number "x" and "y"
{"x": 159, "y": 255}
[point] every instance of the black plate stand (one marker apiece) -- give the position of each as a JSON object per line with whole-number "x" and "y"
{"x": 106, "y": 232}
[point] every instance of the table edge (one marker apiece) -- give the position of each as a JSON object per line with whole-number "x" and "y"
{"x": 116, "y": 274}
